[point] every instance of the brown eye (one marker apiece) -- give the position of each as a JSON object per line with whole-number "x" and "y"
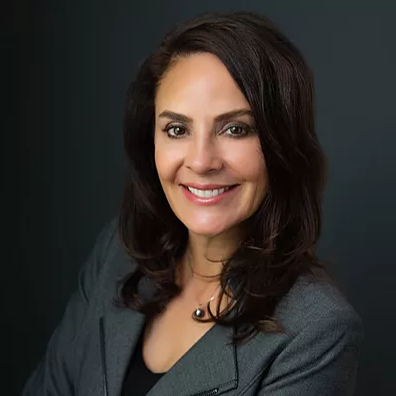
{"x": 237, "y": 131}
{"x": 175, "y": 131}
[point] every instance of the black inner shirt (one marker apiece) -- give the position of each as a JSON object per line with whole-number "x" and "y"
{"x": 139, "y": 379}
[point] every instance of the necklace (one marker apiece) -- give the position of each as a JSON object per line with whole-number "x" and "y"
{"x": 200, "y": 312}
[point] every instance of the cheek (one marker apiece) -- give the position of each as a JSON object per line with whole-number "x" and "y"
{"x": 248, "y": 161}
{"x": 256, "y": 184}
{"x": 167, "y": 160}
{"x": 160, "y": 156}
{"x": 259, "y": 172}
{"x": 251, "y": 168}
{"x": 255, "y": 171}
{"x": 160, "y": 163}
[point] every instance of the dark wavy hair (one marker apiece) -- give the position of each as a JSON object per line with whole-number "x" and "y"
{"x": 284, "y": 231}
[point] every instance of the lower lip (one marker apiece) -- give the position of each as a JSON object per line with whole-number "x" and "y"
{"x": 208, "y": 201}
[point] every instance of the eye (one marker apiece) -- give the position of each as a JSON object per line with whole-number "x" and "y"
{"x": 237, "y": 131}
{"x": 175, "y": 131}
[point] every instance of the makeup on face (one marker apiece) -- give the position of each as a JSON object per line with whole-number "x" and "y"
{"x": 207, "y": 151}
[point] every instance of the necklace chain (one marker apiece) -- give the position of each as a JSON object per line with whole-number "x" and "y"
{"x": 200, "y": 312}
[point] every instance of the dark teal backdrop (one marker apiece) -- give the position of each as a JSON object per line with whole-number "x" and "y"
{"x": 71, "y": 64}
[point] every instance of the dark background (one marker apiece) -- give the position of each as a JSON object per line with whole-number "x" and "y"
{"x": 67, "y": 66}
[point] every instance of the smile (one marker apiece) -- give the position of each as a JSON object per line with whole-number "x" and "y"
{"x": 208, "y": 193}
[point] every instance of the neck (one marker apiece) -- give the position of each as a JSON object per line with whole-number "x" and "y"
{"x": 205, "y": 256}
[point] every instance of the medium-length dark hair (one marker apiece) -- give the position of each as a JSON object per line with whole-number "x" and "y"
{"x": 283, "y": 233}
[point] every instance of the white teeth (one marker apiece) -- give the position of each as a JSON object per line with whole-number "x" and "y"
{"x": 207, "y": 193}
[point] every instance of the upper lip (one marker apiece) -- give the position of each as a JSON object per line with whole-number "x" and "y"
{"x": 199, "y": 186}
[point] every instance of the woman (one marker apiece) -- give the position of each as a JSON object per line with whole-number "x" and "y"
{"x": 208, "y": 282}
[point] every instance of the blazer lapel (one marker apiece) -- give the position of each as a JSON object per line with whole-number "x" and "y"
{"x": 121, "y": 330}
{"x": 208, "y": 368}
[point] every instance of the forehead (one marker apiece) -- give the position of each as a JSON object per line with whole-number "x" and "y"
{"x": 198, "y": 82}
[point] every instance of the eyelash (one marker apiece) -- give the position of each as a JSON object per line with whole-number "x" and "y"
{"x": 247, "y": 130}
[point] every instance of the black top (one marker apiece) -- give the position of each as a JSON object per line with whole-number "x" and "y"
{"x": 139, "y": 379}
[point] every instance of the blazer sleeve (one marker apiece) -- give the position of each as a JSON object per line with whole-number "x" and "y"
{"x": 56, "y": 374}
{"x": 320, "y": 360}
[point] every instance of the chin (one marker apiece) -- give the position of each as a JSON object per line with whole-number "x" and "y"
{"x": 204, "y": 233}
{"x": 207, "y": 230}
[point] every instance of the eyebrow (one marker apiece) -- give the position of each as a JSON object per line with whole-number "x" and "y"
{"x": 222, "y": 117}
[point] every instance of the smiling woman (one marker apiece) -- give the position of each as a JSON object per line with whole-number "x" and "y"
{"x": 214, "y": 249}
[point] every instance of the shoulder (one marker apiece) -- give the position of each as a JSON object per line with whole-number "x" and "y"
{"x": 316, "y": 302}
{"x": 107, "y": 264}
{"x": 317, "y": 353}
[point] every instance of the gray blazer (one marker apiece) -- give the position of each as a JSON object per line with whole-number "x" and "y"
{"x": 90, "y": 349}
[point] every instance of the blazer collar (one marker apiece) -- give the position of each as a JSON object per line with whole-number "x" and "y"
{"x": 209, "y": 367}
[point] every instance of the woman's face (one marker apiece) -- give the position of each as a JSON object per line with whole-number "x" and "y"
{"x": 207, "y": 155}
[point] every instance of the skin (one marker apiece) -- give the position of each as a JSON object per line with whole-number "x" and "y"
{"x": 207, "y": 150}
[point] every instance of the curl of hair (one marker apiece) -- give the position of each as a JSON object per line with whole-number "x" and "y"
{"x": 284, "y": 231}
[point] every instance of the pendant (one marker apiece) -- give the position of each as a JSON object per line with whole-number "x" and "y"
{"x": 198, "y": 314}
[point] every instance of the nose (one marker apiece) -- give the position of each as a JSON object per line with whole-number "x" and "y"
{"x": 203, "y": 155}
